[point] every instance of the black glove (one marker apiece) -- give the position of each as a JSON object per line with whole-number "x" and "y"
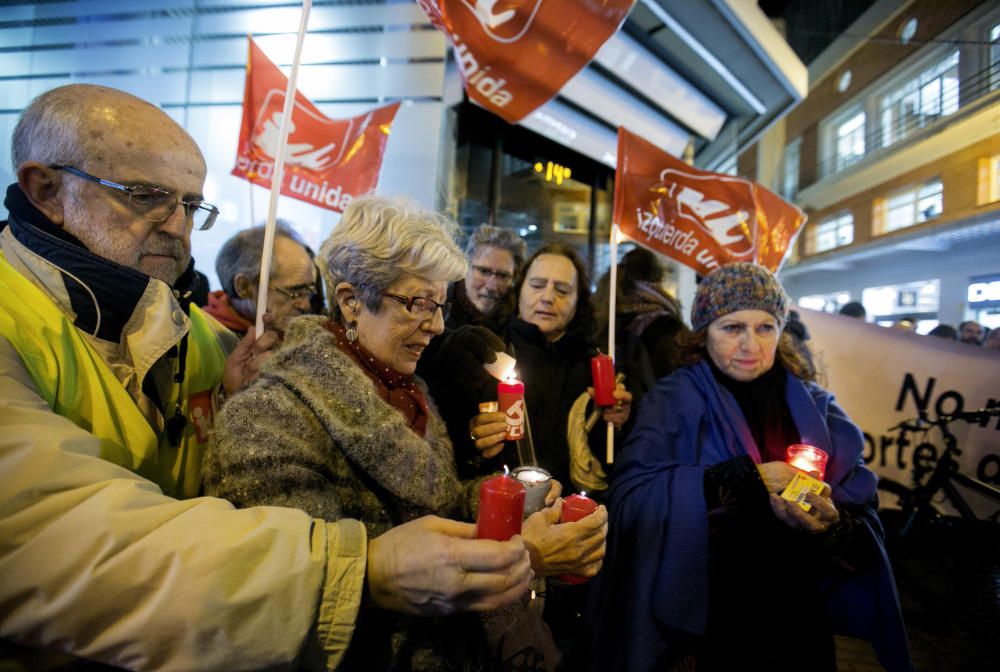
{"x": 459, "y": 361}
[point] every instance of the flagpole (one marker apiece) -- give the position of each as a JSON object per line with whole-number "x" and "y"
{"x": 612, "y": 308}
{"x": 253, "y": 217}
{"x": 279, "y": 170}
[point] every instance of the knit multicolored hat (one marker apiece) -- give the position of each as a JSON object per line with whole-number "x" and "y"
{"x": 738, "y": 286}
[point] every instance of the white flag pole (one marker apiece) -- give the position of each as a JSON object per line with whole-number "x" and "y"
{"x": 612, "y": 308}
{"x": 253, "y": 216}
{"x": 279, "y": 170}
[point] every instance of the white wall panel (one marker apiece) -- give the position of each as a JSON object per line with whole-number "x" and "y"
{"x": 330, "y": 82}
{"x": 104, "y": 59}
{"x": 93, "y": 8}
{"x": 163, "y": 89}
{"x": 286, "y": 19}
{"x": 324, "y": 48}
{"x": 98, "y": 32}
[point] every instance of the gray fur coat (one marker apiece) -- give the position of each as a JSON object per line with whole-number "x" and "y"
{"x": 313, "y": 434}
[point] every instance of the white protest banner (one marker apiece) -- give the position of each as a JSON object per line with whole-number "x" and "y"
{"x": 882, "y": 376}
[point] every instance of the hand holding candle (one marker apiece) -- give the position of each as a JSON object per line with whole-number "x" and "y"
{"x": 574, "y": 508}
{"x": 573, "y": 548}
{"x": 488, "y": 430}
{"x": 501, "y": 508}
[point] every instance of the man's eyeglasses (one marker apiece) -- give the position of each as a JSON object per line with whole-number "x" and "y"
{"x": 420, "y": 306}
{"x": 487, "y": 273}
{"x": 155, "y": 203}
{"x": 296, "y": 293}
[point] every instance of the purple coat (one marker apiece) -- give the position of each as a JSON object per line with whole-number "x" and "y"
{"x": 655, "y": 576}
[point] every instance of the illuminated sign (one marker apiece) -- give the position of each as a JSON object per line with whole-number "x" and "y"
{"x": 984, "y": 291}
{"x": 553, "y": 172}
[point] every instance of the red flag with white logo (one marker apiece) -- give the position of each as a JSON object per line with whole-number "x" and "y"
{"x": 701, "y": 219}
{"x": 327, "y": 161}
{"x": 514, "y": 55}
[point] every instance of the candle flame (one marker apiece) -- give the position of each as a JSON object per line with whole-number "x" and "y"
{"x": 506, "y": 471}
{"x": 583, "y": 493}
{"x": 511, "y": 376}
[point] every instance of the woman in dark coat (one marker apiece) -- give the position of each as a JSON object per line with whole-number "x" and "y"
{"x": 707, "y": 567}
{"x": 551, "y": 336}
{"x": 647, "y": 322}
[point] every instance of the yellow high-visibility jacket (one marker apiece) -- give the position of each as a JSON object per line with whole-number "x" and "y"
{"x": 95, "y": 560}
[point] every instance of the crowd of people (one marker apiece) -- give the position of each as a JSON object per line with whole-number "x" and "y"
{"x": 180, "y": 492}
{"x": 970, "y": 331}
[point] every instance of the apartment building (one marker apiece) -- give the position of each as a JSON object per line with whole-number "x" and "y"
{"x": 895, "y": 156}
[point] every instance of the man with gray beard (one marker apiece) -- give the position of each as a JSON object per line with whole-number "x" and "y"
{"x": 109, "y": 380}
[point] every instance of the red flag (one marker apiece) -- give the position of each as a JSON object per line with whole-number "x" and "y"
{"x": 701, "y": 219}
{"x": 514, "y": 55}
{"x": 327, "y": 161}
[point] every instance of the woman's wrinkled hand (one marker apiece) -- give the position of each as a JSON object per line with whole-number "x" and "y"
{"x": 488, "y": 431}
{"x": 565, "y": 548}
{"x": 776, "y": 475}
{"x": 819, "y": 518}
{"x": 555, "y": 489}
{"x": 619, "y": 413}
{"x": 244, "y": 362}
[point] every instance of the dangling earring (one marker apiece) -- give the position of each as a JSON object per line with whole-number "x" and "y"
{"x": 352, "y": 332}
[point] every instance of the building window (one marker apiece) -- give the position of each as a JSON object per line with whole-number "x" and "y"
{"x": 828, "y": 303}
{"x": 727, "y": 167}
{"x": 919, "y": 101}
{"x": 790, "y": 169}
{"x": 830, "y": 233}
{"x": 919, "y": 301}
{"x": 850, "y": 140}
{"x": 995, "y": 57}
{"x": 988, "y": 188}
{"x": 908, "y": 208}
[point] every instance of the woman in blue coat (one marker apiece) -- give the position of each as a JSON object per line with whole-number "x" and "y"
{"x": 707, "y": 567}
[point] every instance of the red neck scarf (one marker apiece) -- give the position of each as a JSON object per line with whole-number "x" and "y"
{"x": 396, "y": 389}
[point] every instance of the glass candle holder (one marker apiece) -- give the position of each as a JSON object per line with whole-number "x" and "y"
{"x": 536, "y": 482}
{"x": 809, "y": 459}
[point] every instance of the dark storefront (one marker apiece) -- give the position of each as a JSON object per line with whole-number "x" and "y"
{"x": 514, "y": 178}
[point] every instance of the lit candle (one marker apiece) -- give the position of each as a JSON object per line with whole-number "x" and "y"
{"x": 602, "y": 369}
{"x": 510, "y": 394}
{"x": 501, "y": 508}
{"x": 537, "y": 482}
{"x": 809, "y": 459}
{"x": 574, "y": 508}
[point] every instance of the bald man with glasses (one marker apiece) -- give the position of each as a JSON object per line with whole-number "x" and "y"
{"x": 293, "y": 289}
{"x": 109, "y": 380}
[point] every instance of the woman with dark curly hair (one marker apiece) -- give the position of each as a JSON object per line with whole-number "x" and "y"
{"x": 551, "y": 336}
{"x": 707, "y": 567}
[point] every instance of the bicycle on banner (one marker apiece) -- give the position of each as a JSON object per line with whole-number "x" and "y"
{"x": 937, "y": 482}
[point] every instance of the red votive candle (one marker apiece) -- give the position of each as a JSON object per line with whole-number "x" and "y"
{"x": 510, "y": 394}
{"x": 574, "y": 508}
{"x": 809, "y": 459}
{"x": 602, "y": 368}
{"x": 501, "y": 508}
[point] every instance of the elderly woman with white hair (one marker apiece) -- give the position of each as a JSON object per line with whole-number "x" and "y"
{"x": 339, "y": 426}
